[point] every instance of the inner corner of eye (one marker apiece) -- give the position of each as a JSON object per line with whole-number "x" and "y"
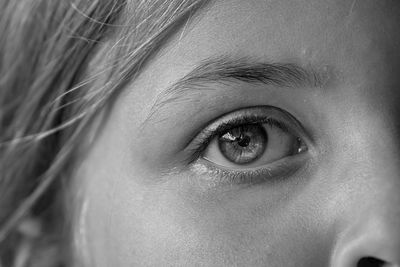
{"x": 301, "y": 146}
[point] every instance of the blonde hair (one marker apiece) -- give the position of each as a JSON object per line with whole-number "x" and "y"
{"x": 54, "y": 79}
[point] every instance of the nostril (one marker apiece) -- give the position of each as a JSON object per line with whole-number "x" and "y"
{"x": 371, "y": 262}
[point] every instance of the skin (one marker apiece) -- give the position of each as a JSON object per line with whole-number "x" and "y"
{"x": 140, "y": 204}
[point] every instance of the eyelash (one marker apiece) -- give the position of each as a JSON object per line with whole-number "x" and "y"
{"x": 281, "y": 168}
{"x": 208, "y": 135}
{"x": 247, "y": 177}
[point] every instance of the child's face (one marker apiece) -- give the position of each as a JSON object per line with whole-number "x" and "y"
{"x": 317, "y": 187}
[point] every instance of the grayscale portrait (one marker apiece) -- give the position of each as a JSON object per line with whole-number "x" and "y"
{"x": 218, "y": 133}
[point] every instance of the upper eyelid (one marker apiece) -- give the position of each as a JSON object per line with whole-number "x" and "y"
{"x": 274, "y": 113}
{"x": 224, "y": 127}
{"x": 208, "y": 132}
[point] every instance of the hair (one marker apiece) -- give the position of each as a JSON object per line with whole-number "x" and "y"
{"x": 61, "y": 63}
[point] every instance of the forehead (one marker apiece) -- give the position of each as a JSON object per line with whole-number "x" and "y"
{"x": 287, "y": 28}
{"x": 356, "y": 38}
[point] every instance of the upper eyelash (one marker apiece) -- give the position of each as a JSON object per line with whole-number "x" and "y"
{"x": 208, "y": 135}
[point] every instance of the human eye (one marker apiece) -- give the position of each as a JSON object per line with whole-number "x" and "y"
{"x": 251, "y": 145}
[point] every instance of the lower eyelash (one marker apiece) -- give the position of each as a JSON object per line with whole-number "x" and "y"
{"x": 221, "y": 176}
{"x": 218, "y": 176}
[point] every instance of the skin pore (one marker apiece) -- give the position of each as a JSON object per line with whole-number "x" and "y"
{"x": 148, "y": 196}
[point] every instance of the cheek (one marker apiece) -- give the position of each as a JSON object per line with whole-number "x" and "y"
{"x": 181, "y": 222}
{"x": 131, "y": 215}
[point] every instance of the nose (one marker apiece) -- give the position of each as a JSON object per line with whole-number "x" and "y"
{"x": 372, "y": 243}
{"x": 369, "y": 231}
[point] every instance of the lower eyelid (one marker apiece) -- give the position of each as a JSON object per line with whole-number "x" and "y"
{"x": 219, "y": 176}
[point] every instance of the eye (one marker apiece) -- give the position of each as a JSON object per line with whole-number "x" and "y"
{"x": 250, "y": 145}
{"x": 253, "y": 144}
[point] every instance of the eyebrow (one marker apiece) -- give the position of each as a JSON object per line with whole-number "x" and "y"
{"x": 225, "y": 69}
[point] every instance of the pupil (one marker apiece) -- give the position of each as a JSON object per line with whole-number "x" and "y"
{"x": 244, "y": 141}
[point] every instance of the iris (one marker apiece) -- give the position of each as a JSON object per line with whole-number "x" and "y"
{"x": 243, "y": 144}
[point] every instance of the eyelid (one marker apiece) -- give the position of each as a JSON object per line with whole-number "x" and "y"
{"x": 255, "y": 114}
{"x": 278, "y": 170}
